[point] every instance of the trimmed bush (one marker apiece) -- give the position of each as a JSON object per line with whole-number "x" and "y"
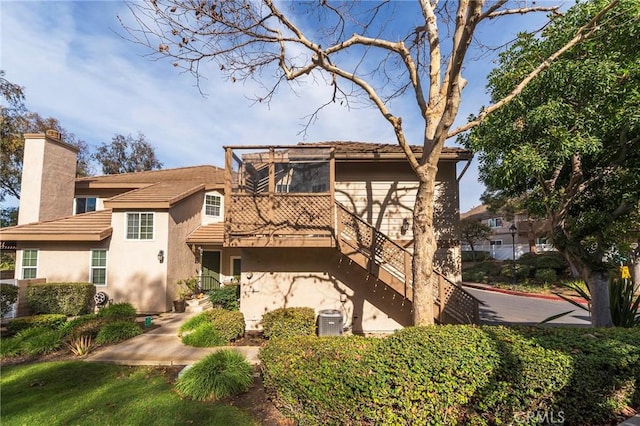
{"x": 118, "y": 311}
{"x": 546, "y": 275}
{"x": 87, "y": 327}
{"x": 522, "y": 271}
{"x": 8, "y": 296}
{"x": 457, "y": 375}
{"x": 60, "y": 298}
{"x": 551, "y": 260}
{"x": 289, "y": 322}
{"x": 214, "y": 327}
{"x": 117, "y": 331}
{"x": 51, "y": 321}
{"x": 69, "y": 326}
{"x": 227, "y": 297}
{"x": 475, "y": 277}
{"x": 467, "y": 256}
{"x": 220, "y": 375}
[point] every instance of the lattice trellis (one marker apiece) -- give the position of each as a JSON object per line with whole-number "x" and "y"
{"x": 286, "y": 214}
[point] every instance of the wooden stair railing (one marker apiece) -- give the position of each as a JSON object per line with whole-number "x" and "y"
{"x": 392, "y": 264}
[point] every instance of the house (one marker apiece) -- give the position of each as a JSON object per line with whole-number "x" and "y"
{"x": 529, "y": 235}
{"x": 321, "y": 225}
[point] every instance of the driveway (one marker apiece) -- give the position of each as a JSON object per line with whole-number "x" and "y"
{"x": 499, "y": 308}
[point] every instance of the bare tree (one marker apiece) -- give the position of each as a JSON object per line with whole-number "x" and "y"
{"x": 369, "y": 52}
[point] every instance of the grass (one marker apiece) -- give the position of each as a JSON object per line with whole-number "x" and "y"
{"x": 81, "y": 393}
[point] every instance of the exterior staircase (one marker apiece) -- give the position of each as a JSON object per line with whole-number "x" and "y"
{"x": 198, "y": 305}
{"x": 391, "y": 264}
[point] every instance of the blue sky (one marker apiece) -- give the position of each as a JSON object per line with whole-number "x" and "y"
{"x": 76, "y": 67}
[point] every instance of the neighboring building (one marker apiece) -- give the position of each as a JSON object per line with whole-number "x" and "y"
{"x": 321, "y": 225}
{"x": 530, "y": 235}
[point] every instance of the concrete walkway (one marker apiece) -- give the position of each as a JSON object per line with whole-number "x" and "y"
{"x": 162, "y": 346}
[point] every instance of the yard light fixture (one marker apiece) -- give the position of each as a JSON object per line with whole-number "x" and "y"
{"x": 161, "y": 256}
{"x": 405, "y": 226}
{"x": 513, "y": 229}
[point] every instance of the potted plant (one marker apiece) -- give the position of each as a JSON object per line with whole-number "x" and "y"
{"x": 182, "y": 294}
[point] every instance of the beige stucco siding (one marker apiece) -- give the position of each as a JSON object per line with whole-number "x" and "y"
{"x": 135, "y": 274}
{"x": 277, "y": 277}
{"x": 61, "y": 261}
{"x": 184, "y": 217}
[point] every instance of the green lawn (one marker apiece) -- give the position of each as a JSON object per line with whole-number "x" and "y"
{"x": 83, "y": 393}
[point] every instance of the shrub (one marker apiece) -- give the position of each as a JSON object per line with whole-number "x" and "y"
{"x": 117, "y": 331}
{"x": 467, "y": 256}
{"x": 87, "y": 327}
{"x": 118, "y": 311}
{"x": 456, "y": 375}
{"x": 289, "y": 322}
{"x": 10, "y": 346}
{"x": 227, "y": 297}
{"x": 220, "y": 375}
{"x": 8, "y": 296}
{"x": 80, "y": 346}
{"x": 488, "y": 268}
{"x": 69, "y": 326}
{"x": 51, "y": 321}
{"x": 551, "y": 260}
{"x": 60, "y": 298}
{"x": 522, "y": 271}
{"x": 214, "y": 327}
{"x": 546, "y": 275}
{"x": 39, "y": 340}
{"x": 475, "y": 276}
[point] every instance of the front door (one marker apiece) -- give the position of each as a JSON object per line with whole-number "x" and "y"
{"x": 210, "y": 278}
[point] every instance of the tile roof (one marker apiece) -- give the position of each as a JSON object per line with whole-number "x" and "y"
{"x": 160, "y": 195}
{"x": 207, "y": 234}
{"x": 478, "y": 212}
{"x": 94, "y": 226}
{"x": 211, "y": 176}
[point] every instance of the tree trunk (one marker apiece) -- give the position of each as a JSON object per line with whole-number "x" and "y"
{"x": 473, "y": 252}
{"x": 635, "y": 271}
{"x": 531, "y": 238}
{"x": 424, "y": 248}
{"x": 598, "y": 282}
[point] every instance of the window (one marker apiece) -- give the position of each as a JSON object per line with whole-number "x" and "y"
{"x": 29, "y": 264}
{"x": 496, "y": 242}
{"x": 85, "y": 204}
{"x": 99, "y": 267}
{"x": 322, "y": 187}
{"x": 236, "y": 268}
{"x": 139, "y": 226}
{"x": 495, "y": 222}
{"x": 282, "y": 188}
{"x": 212, "y": 205}
{"x": 542, "y": 240}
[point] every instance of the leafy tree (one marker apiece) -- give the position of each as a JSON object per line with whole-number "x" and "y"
{"x": 366, "y": 52}
{"x": 8, "y": 217}
{"x": 16, "y": 121}
{"x": 569, "y": 146}
{"x": 472, "y": 231}
{"x": 126, "y": 155}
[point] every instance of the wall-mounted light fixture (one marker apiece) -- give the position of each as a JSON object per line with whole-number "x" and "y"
{"x": 161, "y": 256}
{"x": 405, "y": 226}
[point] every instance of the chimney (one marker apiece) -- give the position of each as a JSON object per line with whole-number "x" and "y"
{"x": 48, "y": 178}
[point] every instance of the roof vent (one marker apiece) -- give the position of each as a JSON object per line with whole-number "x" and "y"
{"x": 53, "y": 134}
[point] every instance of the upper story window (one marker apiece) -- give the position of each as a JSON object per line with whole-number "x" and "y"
{"x": 282, "y": 188}
{"x": 85, "y": 205}
{"x": 29, "y": 264}
{"x": 495, "y": 242}
{"x": 495, "y": 222}
{"x": 99, "y": 267}
{"x": 212, "y": 205}
{"x": 139, "y": 226}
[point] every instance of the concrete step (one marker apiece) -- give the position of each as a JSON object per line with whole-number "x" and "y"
{"x": 198, "y": 305}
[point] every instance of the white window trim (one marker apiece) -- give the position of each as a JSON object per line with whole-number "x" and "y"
{"x": 496, "y": 243}
{"x": 22, "y": 267}
{"x": 106, "y": 261}
{"x": 231, "y": 259}
{"x": 221, "y": 198}
{"x": 126, "y": 227}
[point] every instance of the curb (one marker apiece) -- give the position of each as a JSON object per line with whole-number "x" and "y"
{"x": 519, "y": 293}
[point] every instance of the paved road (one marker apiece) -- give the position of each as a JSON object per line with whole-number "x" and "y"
{"x": 499, "y": 308}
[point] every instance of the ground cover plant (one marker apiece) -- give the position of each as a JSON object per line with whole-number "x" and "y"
{"x": 222, "y": 374}
{"x": 214, "y": 327}
{"x": 80, "y": 393}
{"x": 457, "y": 375}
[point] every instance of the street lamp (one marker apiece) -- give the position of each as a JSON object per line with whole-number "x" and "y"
{"x": 513, "y": 229}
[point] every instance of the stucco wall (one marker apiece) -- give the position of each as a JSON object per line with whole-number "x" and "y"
{"x": 61, "y": 261}
{"x": 183, "y": 219}
{"x": 134, "y": 273}
{"x": 316, "y": 278}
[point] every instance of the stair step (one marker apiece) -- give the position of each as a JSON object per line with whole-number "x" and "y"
{"x": 199, "y": 307}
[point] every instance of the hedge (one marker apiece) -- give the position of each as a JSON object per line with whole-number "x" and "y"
{"x": 118, "y": 311}
{"x": 289, "y": 322}
{"x": 8, "y": 296}
{"x": 60, "y": 298}
{"x": 457, "y": 375}
{"x": 227, "y": 297}
{"x": 50, "y": 321}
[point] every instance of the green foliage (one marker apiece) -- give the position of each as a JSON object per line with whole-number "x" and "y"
{"x": 51, "y": 321}
{"x": 468, "y": 256}
{"x": 8, "y": 296}
{"x": 117, "y": 331}
{"x": 456, "y": 375}
{"x": 118, "y": 311}
{"x": 60, "y": 298}
{"x": 187, "y": 288}
{"x": 472, "y": 276}
{"x": 85, "y": 326}
{"x": 227, "y": 297}
{"x": 124, "y": 154}
{"x": 10, "y": 346}
{"x": 39, "y": 340}
{"x": 625, "y": 306}
{"x": 220, "y": 375}
{"x": 289, "y": 322}
{"x": 214, "y": 327}
{"x": 473, "y": 231}
{"x": 522, "y": 271}
{"x": 546, "y": 275}
{"x": 80, "y": 346}
{"x": 69, "y": 326}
